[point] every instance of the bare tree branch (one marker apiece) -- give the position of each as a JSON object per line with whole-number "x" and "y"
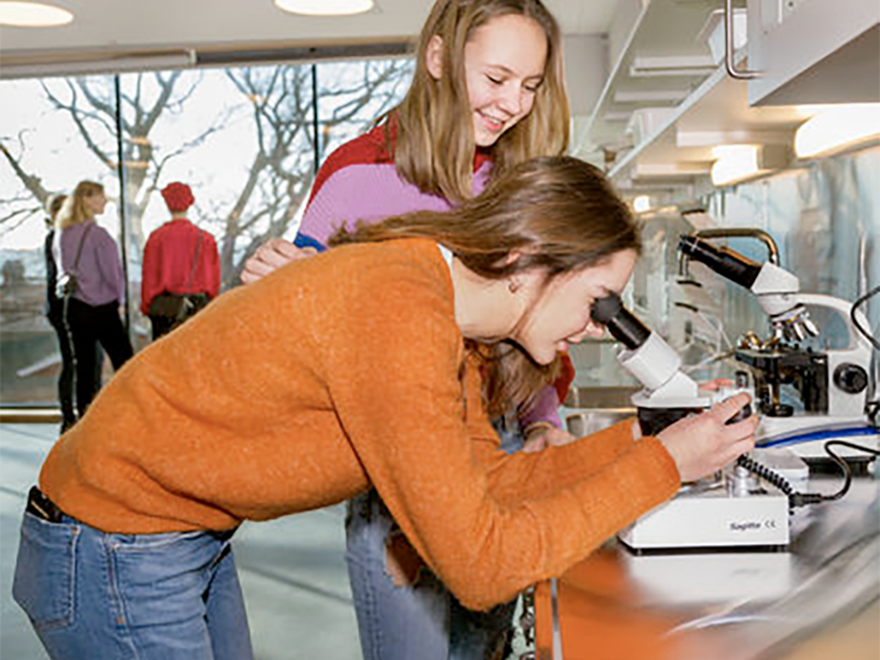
{"x": 31, "y": 181}
{"x": 280, "y": 151}
{"x": 16, "y": 218}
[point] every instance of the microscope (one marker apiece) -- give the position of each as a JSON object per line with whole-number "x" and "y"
{"x": 829, "y": 390}
{"x": 729, "y": 509}
{"x": 747, "y": 505}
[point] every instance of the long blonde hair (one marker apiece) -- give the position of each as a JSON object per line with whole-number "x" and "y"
{"x": 560, "y": 214}
{"x": 435, "y": 141}
{"x": 73, "y": 210}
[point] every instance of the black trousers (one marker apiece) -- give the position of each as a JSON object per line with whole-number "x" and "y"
{"x": 67, "y": 376}
{"x": 89, "y": 326}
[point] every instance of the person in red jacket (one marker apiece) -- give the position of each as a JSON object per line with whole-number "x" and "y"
{"x": 181, "y": 267}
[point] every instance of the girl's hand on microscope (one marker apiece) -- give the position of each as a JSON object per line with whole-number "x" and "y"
{"x": 705, "y": 443}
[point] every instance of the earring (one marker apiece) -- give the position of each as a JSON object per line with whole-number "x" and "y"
{"x": 513, "y": 285}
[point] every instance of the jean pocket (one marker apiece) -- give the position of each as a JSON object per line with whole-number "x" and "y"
{"x": 162, "y": 578}
{"x": 45, "y": 574}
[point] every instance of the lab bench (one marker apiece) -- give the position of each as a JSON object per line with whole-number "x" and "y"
{"x": 816, "y": 599}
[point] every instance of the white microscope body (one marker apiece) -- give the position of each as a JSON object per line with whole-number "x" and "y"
{"x": 732, "y": 510}
{"x": 834, "y": 385}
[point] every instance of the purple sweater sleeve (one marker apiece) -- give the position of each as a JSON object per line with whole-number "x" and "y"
{"x": 109, "y": 265}
{"x": 362, "y": 193}
{"x": 543, "y": 409}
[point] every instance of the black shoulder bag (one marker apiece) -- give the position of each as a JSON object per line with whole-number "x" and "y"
{"x": 178, "y": 307}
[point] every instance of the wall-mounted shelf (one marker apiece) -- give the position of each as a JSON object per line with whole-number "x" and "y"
{"x": 667, "y": 101}
{"x": 678, "y": 152}
{"x": 658, "y": 65}
{"x": 815, "y": 51}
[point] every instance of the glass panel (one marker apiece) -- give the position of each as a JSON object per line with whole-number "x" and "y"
{"x": 352, "y": 95}
{"x": 823, "y": 218}
{"x": 55, "y": 133}
{"x": 240, "y": 138}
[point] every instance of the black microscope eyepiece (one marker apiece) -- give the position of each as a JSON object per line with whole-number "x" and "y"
{"x": 621, "y": 323}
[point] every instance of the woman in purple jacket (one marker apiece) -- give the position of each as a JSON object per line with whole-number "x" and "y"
{"x": 88, "y": 253}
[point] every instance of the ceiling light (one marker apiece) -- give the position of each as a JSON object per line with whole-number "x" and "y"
{"x": 325, "y": 7}
{"x": 736, "y": 163}
{"x": 33, "y": 14}
{"x": 837, "y": 129}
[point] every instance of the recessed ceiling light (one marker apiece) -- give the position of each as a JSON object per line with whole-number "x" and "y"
{"x": 325, "y": 7}
{"x": 838, "y": 128}
{"x": 33, "y": 14}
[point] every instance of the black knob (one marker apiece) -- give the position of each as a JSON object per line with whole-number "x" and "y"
{"x": 744, "y": 413}
{"x": 851, "y": 378}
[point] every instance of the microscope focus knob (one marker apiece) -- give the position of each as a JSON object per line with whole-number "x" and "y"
{"x": 851, "y": 378}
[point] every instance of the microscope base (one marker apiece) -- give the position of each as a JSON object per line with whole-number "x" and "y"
{"x": 712, "y": 520}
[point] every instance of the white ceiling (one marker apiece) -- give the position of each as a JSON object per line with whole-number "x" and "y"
{"x": 150, "y": 25}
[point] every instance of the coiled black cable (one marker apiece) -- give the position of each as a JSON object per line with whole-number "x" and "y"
{"x": 796, "y": 499}
{"x": 765, "y": 473}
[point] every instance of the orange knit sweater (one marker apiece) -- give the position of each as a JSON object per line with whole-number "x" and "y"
{"x": 332, "y": 374}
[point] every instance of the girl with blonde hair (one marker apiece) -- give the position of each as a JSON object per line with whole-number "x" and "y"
{"x": 86, "y": 252}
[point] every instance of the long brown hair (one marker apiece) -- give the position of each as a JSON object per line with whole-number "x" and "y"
{"x": 73, "y": 210}
{"x": 435, "y": 141}
{"x": 560, "y": 215}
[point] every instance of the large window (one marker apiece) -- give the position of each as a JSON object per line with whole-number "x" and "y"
{"x": 247, "y": 140}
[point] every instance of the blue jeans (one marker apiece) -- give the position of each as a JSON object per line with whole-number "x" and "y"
{"x": 96, "y": 596}
{"x": 419, "y": 620}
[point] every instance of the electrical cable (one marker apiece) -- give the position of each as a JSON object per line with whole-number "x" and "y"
{"x": 852, "y": 313}
{"x": 766, "y": 473}
{"x": 844, "y": 465}
{"x": 828, "y": 434}
{"x": 872, "y": 408}
{"x": 796, "y": 499}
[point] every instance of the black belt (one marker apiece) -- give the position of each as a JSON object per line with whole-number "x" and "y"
{"x": 42, "y": 507}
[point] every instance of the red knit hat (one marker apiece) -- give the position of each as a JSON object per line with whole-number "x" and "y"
{"x": 178, "y": 196}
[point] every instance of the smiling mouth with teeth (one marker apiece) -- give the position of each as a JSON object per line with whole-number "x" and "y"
{"x": 492, "y": 123}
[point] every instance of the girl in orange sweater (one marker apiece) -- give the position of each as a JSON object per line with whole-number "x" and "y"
{"x": 356, "y": 368}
